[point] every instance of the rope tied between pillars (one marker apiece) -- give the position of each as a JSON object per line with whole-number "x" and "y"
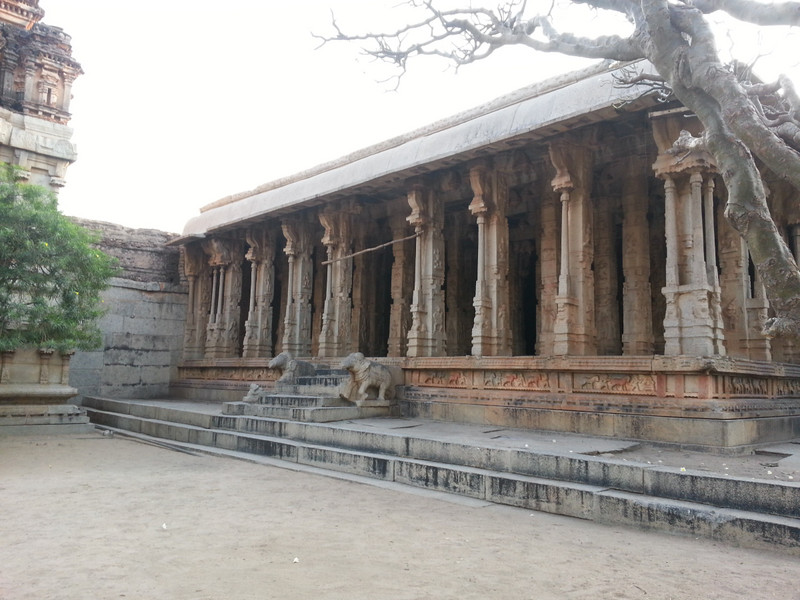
{"x": 405, "y": 239}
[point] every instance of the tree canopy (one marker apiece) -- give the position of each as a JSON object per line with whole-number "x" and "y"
{"x": 50, "y": 274}
{"x": 749, "y": 125}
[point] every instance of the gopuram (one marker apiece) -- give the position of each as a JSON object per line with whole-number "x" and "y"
{"x": 36, "y": 76}
{"x": 543, "y": 261}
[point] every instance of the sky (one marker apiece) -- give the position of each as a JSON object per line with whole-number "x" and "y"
{"x": 184, "y": 102}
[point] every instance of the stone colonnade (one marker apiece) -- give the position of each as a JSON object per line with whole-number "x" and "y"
{"x": 644, "y": 265}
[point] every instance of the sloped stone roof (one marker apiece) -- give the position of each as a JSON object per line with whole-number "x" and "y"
{"x": 544, "y": 108}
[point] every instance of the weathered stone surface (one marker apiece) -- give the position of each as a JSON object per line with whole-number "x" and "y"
{"x": 578, "y": 486}
{"x": 143, "y": 328}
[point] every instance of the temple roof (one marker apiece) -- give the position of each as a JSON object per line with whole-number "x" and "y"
{"x": 536, "y": 112}
{"x": 24, "y": 13}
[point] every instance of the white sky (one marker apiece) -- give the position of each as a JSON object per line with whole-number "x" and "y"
{"x": 184, "y": 102}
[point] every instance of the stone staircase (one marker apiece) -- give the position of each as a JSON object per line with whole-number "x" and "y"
{"x": 745, "y": 512}
{"x": 311, "y": 399}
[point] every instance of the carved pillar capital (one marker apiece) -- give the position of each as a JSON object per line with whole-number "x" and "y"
{"x": 221, "y": 252}
{"x": 480, "y": 178}
{"x": 419, "y": 217}
{"x": 194, "y": 260}
{"x": 298, "y": 237}
{"x": 262, "y": 243}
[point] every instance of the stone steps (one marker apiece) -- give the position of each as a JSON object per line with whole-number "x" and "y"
{"x": 306, "y": 414}
{"x": 312, "y": 399}
{"x": 289, "y": 400}
{"x": 747, "y": 512}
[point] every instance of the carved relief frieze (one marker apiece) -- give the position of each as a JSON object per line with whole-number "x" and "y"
{"x": 787, "y": 388}
{"x": 450, "y": 379}
{"x": 227, "y": 373}
{"x": 536, "y": 381}
{"x": 750, "y": 386}
{"x": 616, "y": 383}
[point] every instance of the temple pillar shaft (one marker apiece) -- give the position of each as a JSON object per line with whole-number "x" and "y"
{"x": 198, "y": 303}
{"x": 693, "y": 322}
{"x": 637, "y": 317}
{"x": 402, "y": 288}
{"x": 297, "y": 324}
{"x": 427, "y": 334}
{"x": 222, "y": 332}
{"x": 606, "y": 277}
{"x": 574, "y": 329}
{"x": 335, "y": 337}
{"x": 491, "y": 333}
{"x": 358, "y": 319}
{"x": 549, "y": 275}
{"x": 258, "y": 329}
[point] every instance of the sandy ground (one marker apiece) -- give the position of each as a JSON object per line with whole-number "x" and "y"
{"x": 93, "y": 517}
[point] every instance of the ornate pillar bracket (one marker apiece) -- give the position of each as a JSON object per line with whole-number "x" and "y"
{"x": 693, "y": 320}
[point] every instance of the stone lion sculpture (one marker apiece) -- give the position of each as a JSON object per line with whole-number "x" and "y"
{"x": 291, "y": 368}
{"x": 366, "y": 374}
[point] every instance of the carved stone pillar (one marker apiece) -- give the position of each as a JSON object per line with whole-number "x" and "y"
{"x": 45, "y": 354}
{"x": 606, "y": 278}
{"x": 548, "y": 251}
{"x": 222, "y": 331}
{"x": 402, "y": 288}
{"x": 358, "y": 318}
{"x": 693, "y": 320}
{"x": 66, "y": 357}
{"x": 258, "y": 329}
{"x": 574, "y": 328}
{"x": 195, "y": 269}
{"x": 335, "y": 337}
{"x": 297, "y": 325}
{"x": 457, "y": 322}
{"x": 491, "y": 332}
{"x": 427, "y": 334}
{"x": 6, "y": 358}
{"x": 637, "y": 317}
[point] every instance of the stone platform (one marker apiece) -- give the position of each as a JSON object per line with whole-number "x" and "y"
{"x": 43, "y": 419}
{"x": 748, "y": 500}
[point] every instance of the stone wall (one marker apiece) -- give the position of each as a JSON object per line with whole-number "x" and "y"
{"x": 143, "y": 325}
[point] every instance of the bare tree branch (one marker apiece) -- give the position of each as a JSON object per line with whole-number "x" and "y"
{"x": 742, "y": 121}
{"x": 758, "y": 13}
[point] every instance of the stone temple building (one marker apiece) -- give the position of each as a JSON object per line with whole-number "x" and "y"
{"x": 541, "y": 261}
{"x": 36, "y": 76}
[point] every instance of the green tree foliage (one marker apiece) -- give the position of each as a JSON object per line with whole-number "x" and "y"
{"x": 50, "y": 274}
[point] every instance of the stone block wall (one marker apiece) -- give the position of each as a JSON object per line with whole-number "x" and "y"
{"x": 143, "y": 325}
